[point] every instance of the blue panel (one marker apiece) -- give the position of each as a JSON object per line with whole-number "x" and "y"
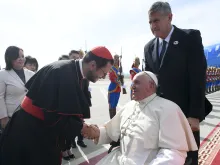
{"x": 212, "y": 54}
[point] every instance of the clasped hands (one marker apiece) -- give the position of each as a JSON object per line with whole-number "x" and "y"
{"x": 90, "y": 131}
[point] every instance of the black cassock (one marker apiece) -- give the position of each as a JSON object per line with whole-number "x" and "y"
{"x": 57, "y": 90}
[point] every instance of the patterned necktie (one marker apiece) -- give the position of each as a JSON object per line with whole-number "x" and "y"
{"x": 163, "y": 50}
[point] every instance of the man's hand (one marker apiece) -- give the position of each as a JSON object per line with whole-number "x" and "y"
{"x": 90, "y": 131}
{"x": 194, "y": 123}
{"x": 4, "y": 122}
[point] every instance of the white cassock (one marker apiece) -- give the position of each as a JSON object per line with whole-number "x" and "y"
{"x": 153, "y": 131}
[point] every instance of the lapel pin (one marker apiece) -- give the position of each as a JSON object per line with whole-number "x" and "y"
{"x": 175, "y": 42}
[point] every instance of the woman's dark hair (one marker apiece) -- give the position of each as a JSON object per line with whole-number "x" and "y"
{"x": 11, "y": 54}
{"x": 63, "y": 57}
{"x": 31, "y": 60}
{"x": 73, "y": 52}
{"x": 100, "y": 62}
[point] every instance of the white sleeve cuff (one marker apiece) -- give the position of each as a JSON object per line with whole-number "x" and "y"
{"x": 103, "y": 138}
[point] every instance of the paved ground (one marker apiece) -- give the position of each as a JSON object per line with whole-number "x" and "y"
{"x": 100, "y": 114}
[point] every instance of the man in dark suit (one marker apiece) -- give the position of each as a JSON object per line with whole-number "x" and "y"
{"x": 177, "y": 57}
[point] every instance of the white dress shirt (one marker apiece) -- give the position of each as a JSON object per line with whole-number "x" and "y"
{"x": 167, "y": 39}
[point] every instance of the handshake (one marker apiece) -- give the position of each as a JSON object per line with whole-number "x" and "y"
{"x": 90, "y": 131}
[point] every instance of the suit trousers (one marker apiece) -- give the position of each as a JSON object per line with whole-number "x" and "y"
{"x": 80, "y": 138}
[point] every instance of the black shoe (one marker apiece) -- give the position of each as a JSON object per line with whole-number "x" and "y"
{"x": 81, "y": 144}
{"x": 72, "y": 156}
{"x": 66, "y": 158}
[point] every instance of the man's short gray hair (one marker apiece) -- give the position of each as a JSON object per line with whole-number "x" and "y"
{"x": 162, "y": 7}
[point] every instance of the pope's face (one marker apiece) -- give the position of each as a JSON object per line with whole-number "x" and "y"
{"x": 143, "y": 86}
{"x": 139, "y": 87}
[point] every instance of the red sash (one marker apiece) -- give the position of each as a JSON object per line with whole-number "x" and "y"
{"x": 33, "y": 110}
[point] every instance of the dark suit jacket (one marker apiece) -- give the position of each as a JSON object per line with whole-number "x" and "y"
{"x": 182, "y": 72}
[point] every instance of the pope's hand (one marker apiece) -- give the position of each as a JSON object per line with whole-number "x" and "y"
{"x": 90, "y": 131}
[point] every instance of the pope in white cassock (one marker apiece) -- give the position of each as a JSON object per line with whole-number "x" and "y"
{"x": 152, "y": 130}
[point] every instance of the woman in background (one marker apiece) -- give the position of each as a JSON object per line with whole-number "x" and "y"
{"x": 31, "y": 63}
{"x": 12, "y": 83}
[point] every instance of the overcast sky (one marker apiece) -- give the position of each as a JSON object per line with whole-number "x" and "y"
{"x": 46, "y": 29}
